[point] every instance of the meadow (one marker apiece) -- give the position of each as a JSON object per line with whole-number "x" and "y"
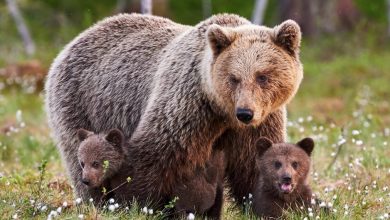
{"x": 343, "y": 103}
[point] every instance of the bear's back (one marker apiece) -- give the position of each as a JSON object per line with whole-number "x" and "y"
{"x": 102, "y": 68}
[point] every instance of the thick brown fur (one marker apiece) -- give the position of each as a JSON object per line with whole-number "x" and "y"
{"x": 282, "y": 164}
{"x": 175, "y": 91}
{"x": 203, "y": 193}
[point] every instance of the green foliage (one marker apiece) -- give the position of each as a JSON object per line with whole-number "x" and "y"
{"x": 373, "y": 10}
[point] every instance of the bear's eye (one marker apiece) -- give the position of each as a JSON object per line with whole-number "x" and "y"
{"x": 82, "y": 164}
{"x": 294, "y": 165}
{"x": 277, "y": 164}
{"x": 95, "y": 164}
{"x": 233, "y": 80}
{"x": 262, "y": 80}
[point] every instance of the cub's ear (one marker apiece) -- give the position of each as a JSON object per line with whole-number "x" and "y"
{"x": 262, "y": 145}
{"x": 219, "y": 38}
{"x": 116, "y": 138}
{"x": 82, "y": 134}
{"x": 307, "y": 144}
{"x": 288, "y": 35}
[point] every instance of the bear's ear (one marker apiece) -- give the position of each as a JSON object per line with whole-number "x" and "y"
{"x": 116, "y": 138}
{"x": 219, "y": 38}
{"x": 262, "y": 145}
{"x": 82, "y": 134}
{"x": 307, "y": 144}
{"x": 288, "y": 35}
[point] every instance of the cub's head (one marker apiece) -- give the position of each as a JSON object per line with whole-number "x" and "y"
{"x": 253, "y": 70}
{"x": 100, "y": 156}
{"x": 284, "y": 167}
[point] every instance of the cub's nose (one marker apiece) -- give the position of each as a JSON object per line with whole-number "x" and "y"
{"x": 85, "y": 181}
{"x": 244, "y": 115}
{"x": 286, "y": 179}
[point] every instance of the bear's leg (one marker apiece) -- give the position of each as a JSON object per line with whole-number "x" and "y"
{"x": 242, "y": 172}
{"x": 216, "y": 210}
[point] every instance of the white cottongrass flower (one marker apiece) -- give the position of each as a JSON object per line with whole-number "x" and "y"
{"x": 322, "y": 204}
{"x": 311, "y": 214}
{"x": 15, "y": 216}
{"x": 145, "y": 210}
{"x": 111, "y": 200}
{"x": 81, "y": 216}
{"x": 111, "y": 208}
{"x": 43, "y": 208}
{"x": 90, "y": 200}
{"x": 150, "y": 211}
{"x": 355, "y": 132}
{"x": 19, "y": 116}
{"x": 78, "y": 201}
{"x": 116, "y": 205}
{"x": 59, "y": 210}
{"x": 191, "y": 216}
{"x": 359, "y": 142}
{"x": 65, "y": 204}
{"x": 313, "y": 201}
{"x": 250, "y": 196}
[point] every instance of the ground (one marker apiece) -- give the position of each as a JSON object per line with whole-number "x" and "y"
{"x": 343, "y": 104}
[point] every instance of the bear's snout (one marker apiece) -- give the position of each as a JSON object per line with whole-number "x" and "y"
{"x": 286, "y": 178}
{"x": 244, "y": 115}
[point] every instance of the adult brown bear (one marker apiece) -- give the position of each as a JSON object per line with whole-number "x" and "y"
{"x": 177, "y": 91}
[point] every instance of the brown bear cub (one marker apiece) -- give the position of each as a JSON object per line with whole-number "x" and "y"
{"x": 103, "y": 162}
{"x": 203, "y": 193}
{"x": 282, "y": 183}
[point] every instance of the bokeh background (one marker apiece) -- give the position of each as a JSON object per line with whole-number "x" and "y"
{"x": 343, "y": 101}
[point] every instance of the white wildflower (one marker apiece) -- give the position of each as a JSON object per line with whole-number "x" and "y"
{"x": 145, "y": 210}
{"x": 191, "y": 216}
{"x": 150, "y": 211}
{"x": 111, "y": 208}
{"x": 78, "y": 201}
{"x": 111, "y": 200}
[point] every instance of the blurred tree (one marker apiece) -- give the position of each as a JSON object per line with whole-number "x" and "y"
{"x": 146, "y": 7}
{"x": 207, "y": 8}
{"x": 21, "y": 26}
{"x": 259, "y": 11}
{"x": 388, "y": 17}
{"x": 317, "y": 17}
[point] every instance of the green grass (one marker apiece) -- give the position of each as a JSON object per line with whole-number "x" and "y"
{"x": 344, "y": 95}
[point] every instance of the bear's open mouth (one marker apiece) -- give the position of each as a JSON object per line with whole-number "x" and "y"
{"x": 286, "y": 187}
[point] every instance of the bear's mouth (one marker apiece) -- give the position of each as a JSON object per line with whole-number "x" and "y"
{"x": 286, "y": 188}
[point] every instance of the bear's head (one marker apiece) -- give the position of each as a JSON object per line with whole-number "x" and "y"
{"x": 100, "y": 156}
{"x": 284, "y": 167}
{"x": 253, "y": 70}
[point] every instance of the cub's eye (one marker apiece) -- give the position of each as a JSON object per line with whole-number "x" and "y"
{"x": 82, "y": 164}
{"x": 233, "y": 80}
{"x": 277, "y": 164}
{"x": 95, "y": 164}
{"x": 294, "y": 165}
{"x": 262, "y": 79}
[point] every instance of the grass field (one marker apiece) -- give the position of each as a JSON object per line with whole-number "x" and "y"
{"x": 343, "y": 104}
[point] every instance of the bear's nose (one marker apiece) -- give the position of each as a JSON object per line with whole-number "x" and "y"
{"x": 286, "y": 179}
{"x": 245, "y": 115}
{"x": 85, "y": 181}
